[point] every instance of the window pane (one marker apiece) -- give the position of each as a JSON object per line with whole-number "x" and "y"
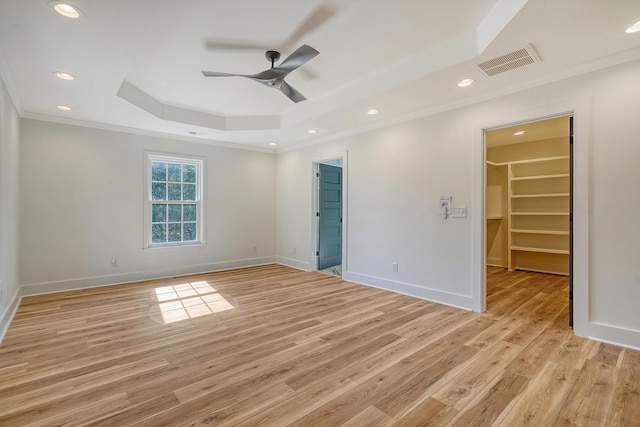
{"x": 189, "y": 231}
{"x": 189, "y": 192}
{"x": 174, "y": 191}
{"x": 175, "y": 232}
{"x": 188, "y": 213}
{"x": 174, "y": 172}
{"x": 158, "y": 171}
{"x": 175, "y": 212}
{"x": 188, "y": 173}
{"x": 159, "y": 213}
{"x": 158, "y": 191}
{"x": 159, "y": 233}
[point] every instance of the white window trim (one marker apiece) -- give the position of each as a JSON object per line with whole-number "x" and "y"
{"x": 150, "y": 157}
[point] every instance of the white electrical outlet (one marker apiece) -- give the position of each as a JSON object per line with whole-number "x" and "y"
{"x": 114, "y": 262}
{"x": 395, "y": 267}
{"x": 255, "y": 249}
{"x": 459, "y": 212}
{"x": 295, "y": 251}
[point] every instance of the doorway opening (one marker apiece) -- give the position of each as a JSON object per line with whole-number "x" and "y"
{"x": 329, "y": 215}
{"x": 529, "y": 214}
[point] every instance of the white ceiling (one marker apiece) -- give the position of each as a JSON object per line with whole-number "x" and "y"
{"x": 402, "y": 57}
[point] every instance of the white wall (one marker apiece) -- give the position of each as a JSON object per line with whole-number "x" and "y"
{"x": 397, "y": 173}
{"x": 9, "y": 207}
{"x": 82, "y": 204}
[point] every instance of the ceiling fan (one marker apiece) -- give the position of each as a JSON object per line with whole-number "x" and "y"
{"x": 274, "y": 77}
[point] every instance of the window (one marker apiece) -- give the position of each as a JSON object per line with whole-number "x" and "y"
{"x": 173, "y": 215}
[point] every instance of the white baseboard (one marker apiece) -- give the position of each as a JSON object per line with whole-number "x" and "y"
{"x": 136, "y": 276}
{"x": 7, "y": 315}
{"x": 455, "y": 300}
{"x": 293, "y": 263}
{"x": 614, "y": 335}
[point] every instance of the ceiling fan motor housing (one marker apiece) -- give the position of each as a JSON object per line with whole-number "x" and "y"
{"x": 272, "y": 56}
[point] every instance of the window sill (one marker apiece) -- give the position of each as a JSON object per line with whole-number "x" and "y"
{"x": 173, "y": 246}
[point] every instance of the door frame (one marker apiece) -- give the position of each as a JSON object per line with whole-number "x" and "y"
{"x": 579, "y": 109}
{"x": 315, "y": 204}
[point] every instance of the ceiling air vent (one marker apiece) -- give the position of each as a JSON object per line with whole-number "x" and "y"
{"x": 510, "y": 61}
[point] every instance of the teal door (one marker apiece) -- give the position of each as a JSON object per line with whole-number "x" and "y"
{"x": 330, "y": 217}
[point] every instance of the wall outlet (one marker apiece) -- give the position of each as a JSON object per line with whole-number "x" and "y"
{"x": 254, "y": 249}
{"x": 295, "y": 251}
{"x": 114, "y": 262}
{"x": 0, "y": 295}
{"x": 459, "y": 212}
{"x": 395, "y": 267}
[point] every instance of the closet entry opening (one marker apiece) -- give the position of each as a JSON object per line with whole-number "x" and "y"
{"x": 528, "y": 209}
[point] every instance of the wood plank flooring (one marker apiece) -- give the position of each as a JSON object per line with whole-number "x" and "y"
{"x": 276, "y": 346}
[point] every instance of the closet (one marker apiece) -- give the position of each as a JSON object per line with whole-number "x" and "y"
{"x": 528, "y": 201}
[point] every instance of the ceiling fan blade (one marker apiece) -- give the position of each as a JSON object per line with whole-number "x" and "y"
{"x": 293, "y": 94}
{"x": 215, "y": 74}
{"x": 316, "y": 19}
{"x": 302, "y": 55}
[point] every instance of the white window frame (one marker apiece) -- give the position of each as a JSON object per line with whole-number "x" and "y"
{"x": 199, "y": 202}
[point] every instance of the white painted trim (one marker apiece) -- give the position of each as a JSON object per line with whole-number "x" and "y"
{"x": 581, "y": 198}
{"x": 454, "y": 300}
{"x": 315, "y": 161}
{"x": 136, "y": 276}
{"x": 616, "y": 335}
{"x": 579, "y": 109}
{"x": 293, "y": 263}
{"x": 9, "y": 313}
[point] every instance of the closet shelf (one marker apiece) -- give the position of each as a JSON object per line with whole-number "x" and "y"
{"x": 494, "y": 218}
{"x": 541, "y": 213}
{"x": 533, "y": 195}
{"x": 524, "y": 196}
{"x": 542, "y": 250}
{"x": 526, "y": 178}
{"x": 519, "y": 162}
{"x": 562, "y": 233}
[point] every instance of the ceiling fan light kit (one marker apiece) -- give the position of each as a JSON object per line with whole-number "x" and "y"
{"x": 274, "y": 77}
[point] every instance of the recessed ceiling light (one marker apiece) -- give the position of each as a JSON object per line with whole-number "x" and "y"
{"x": 65, "y": 9}
{"x": 273, "y": 144}
{"x": 64, "y": 107}
{"x": 466, "y": 82}
{"x": 312, "y": 131}
{"x": 520, "y": 132}
{"x": 63, "y": 76}
{"x": 372, "y": 112}
{"x": 634, "y": 28}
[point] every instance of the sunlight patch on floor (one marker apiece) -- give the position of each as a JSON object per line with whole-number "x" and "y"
{"x": 189, "y": 300}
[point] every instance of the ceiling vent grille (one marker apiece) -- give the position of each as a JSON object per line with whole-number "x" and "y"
{"x": 510, "y": 61}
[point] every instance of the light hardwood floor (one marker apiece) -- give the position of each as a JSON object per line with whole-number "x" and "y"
{"x": 275, "y": 346}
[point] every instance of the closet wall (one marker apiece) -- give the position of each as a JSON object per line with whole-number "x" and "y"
{"x": 528, "y": 194}
{"x": 497, "y": 223}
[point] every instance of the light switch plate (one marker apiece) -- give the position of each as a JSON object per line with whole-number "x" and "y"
{"x": 459, "y": 212}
